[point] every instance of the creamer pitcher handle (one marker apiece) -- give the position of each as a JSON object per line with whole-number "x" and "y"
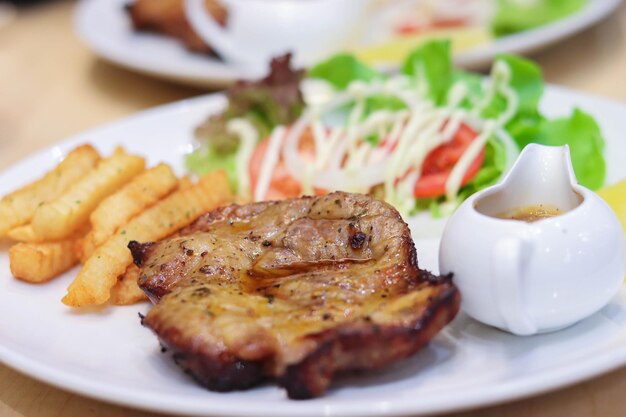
{"x": 507, "y": 259}
{"x": 208, "y": 29}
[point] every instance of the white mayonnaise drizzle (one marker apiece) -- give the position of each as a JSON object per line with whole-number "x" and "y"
{"x": 453, "y": 183}
{"x": 323, "y": 156}
{"x": 457, "y": 93}
{"x": 322, "y": 143}
{"x": 344, "y": 160}
{"x": 307, "y": 179}
{"x": 248, "y": 138}
{"x": 398, "y": 156}
{"x": 500, "y": 83}
{"x": 269, "y": 163}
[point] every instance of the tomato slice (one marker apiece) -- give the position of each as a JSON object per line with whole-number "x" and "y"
{"x": 439, "y": 163}
{"x": 282, "y": 184}
{"x": 435, "y": 172}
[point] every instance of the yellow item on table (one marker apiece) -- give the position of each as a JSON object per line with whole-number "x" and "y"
{"x": 615, "y": 196}
{"x": 397, "y": 48}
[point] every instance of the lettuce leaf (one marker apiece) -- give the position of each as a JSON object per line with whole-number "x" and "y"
{"x": 431, "y": 66}
{"x": 382, "y": 102}
{"x": 514, "y": 16}
{"x": 206, "y": 159}
{"x": 273, "y": 100}
{"x": 341, "y": 70}
{"x": 526, "y": 81}
{"x": 474, "y": 84}
{"x": 581, "y": 132}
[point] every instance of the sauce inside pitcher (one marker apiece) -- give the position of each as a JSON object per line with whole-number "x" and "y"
{"x": 541, "y": 185}
{"x": 530, "y": 214}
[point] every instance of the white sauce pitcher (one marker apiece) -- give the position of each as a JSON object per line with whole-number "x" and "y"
{"x": 258, "y": 30}
{"x": 533, "y": 277}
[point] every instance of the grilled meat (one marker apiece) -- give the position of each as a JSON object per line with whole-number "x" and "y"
{"x": 297, "y": 291}
{"x": 168, "y": 18}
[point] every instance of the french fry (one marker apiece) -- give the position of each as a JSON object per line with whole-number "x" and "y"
{"x": 62, "y": 216}
{"x": 126, "y": 291}
{"x": 25, "y": 233}
{"x": 84, "y": 247}
{"x": 18, "y": 207}
{"x": 99, "y": 274}
{"x": 116, "y": 210}
{"x": 40, "y": 262}
{"x": 184, "y": 182}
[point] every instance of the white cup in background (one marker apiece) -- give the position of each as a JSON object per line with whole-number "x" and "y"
{"x": 258, "y": 30}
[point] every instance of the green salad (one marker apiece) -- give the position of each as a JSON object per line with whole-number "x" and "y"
{"x": 423, "y": 139}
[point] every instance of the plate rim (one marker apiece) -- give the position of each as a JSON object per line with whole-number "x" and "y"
{"x": 544, "y": 381}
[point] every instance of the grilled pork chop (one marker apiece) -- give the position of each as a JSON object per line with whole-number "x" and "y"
{"x": 297, "y": 291}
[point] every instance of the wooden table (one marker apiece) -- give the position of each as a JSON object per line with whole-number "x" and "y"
{"x": 51, "y": 86}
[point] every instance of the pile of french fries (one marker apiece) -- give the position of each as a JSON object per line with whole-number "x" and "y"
{"x": 88, "y": 208}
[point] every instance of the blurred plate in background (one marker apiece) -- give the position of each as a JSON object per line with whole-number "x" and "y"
{"x": 105, "y": 27}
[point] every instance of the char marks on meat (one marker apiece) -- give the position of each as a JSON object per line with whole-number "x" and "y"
{"x": 297, "y": 291}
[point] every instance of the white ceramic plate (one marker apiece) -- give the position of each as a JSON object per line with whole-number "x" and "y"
{"x": 106, "y": 354}
{"x": 105, "y": 28}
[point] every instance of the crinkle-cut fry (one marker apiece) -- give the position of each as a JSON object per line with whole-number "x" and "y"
{"x": 99, "y": 274}
{"x": 185, "y": 182}
{"x": 40, "y": 262}
{"x": 116, "y": 210}
{"x": 126, "y": 291}
{"x": 25, "y": 234}
{"x": 62, "y": 216}
{"x": 17, "y": 208}
{"x": 85, "y": 247}
{"x": 78, "y": 249}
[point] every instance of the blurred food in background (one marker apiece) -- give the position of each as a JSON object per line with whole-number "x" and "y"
{"x": 257, "y": 30}
{"x": 168, "y": 18}
{"x": 392, "y": 28}
{"x": 397, "y": 26}
{"x": 216, "y": 42}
